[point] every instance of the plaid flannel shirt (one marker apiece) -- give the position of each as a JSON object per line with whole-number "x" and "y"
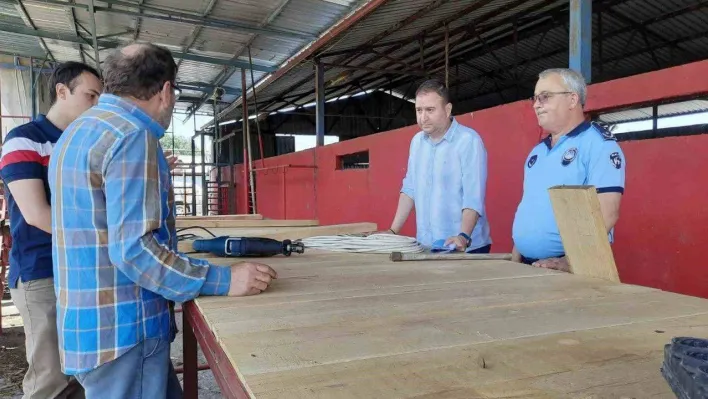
{"x": 115, "y": 258}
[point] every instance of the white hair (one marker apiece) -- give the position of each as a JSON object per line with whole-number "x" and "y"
{"x": 573, "y": 80}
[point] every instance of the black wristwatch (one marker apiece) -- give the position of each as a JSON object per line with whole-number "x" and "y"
{"x": 467, "y": 238}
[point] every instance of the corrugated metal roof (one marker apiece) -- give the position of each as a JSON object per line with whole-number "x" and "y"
{"x": 308, "y": 17}
{"x": 663, "y": 110}
{"x": 670, "y": 37}
{"x": 676, "y": 32}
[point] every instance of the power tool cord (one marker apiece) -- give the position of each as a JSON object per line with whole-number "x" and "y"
{"x": 373, "y": 244}
{"x": 190, "y": 236}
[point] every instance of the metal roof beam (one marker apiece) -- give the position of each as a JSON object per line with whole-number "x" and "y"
{"x": 113, "y": 44}
{"x": 196, "y": 19}
{"x": 208, "y": 88}
{"x": 462, "y": 56}
{"x": 616, "y": 58}
{"x": 140, "y": 10}
{"x": 28, "y": 20}
{"x": 467, "y": 9}
{"x": 226, "y": 74}
{"x": 361, "y": 13}
{"x": 72, "y": 19}
{"x": 196, "y": 31}
{"x": 644, "y": 29}
{"x": 94, "y": 36}
{"x": 138, "y": 21}
{"x": 395, "y": 27}
{"x": 505, "y": 38}
{"x": 595, "y": 63}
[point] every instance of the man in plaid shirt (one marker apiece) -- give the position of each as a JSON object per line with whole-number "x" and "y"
{"x": 116, "y": 264}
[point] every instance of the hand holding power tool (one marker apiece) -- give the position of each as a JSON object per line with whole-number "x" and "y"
{"x": 247, "y": 246}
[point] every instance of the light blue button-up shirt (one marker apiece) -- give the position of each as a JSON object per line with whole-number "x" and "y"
{"x": 445, "y": 178}
{"x": 588, "y": 155}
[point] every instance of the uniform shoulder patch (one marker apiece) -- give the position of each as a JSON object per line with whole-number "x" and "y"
{"x": 616, "y": 160}
{"x": 604, "y": 130}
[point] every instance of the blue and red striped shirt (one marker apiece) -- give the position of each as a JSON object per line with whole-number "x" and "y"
{"x": 25, "y": 155}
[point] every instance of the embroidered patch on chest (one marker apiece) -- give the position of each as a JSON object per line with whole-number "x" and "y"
{"x": 569, "y": 156}
{"x": 531, "y": 161}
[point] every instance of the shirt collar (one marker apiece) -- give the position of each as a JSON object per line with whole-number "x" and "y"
{"x": 47, "y": 127}
{"x": 583, "y": 126}
{"x": 151, "y": 124}
{"x": 451, "y": 131}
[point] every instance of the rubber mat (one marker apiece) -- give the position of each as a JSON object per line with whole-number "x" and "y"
{"x": 685, "y": 367}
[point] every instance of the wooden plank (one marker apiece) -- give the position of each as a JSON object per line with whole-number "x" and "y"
{"x": 351, "y": 326}
{"x": 343, "y": 335}
{"x": 613, "y": 362}
{"x": 223, "y": 217}
{"x": 583, "y": 232}
{"x": 284, "y": 233}
{"x": 239, "y": 223}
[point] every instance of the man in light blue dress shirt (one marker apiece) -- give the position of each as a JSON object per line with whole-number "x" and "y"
{"x": 446, "y": 178}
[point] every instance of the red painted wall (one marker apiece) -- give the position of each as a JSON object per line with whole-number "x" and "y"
{"x": 664, "y": 213}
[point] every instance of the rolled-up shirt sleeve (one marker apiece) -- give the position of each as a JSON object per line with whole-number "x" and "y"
{"x": 473, "y": 160}
{"x": 606, "y": 168}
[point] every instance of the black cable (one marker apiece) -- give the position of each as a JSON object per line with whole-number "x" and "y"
{"x": 197, "y": 227}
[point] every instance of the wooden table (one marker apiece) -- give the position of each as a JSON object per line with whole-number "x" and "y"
{"x": 360, "y": 326}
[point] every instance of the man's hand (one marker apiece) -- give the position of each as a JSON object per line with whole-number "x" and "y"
{"x": 172, "y": 160}
{"x": 554, "y": 263}
{"x": 249, "y": 278}
{"x": 459, "y": 241}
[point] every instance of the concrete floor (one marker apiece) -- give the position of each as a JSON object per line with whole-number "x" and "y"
{"x": 12, "y": 322}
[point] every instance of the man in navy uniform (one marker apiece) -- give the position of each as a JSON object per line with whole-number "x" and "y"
{"x": 575, "y": 152}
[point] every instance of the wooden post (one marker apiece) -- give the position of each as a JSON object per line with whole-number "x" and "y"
{"x": 189, "y": 357}
{"x": 582, "y": 229}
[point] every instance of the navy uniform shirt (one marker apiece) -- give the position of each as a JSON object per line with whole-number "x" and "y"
{"x": 25, "y": 155}
{"x": 588, "y": 155}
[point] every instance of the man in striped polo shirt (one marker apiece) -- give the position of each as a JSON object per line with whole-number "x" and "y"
{"x": 73, "y": 89}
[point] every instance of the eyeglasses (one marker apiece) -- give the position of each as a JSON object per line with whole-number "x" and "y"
{"x": 543, "y": 97}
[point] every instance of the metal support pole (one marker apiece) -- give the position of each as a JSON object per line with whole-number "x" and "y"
{"x": 216, "y": 150}
{"x": 94, "y": 38}
{"x": 244, "y": 106}
{"x": 232, "y": 180}
{"x": 255, "y": 103}
{"x": 205, "y": 187}
{"x": 655, "y": 118}
{"x": 320, "y": 100}
{"x": 580, "y": 48}
{"x": 194, "y": 174}
{"x": 33, "y": 91}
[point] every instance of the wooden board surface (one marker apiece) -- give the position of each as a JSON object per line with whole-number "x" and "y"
{"x": 360, "y": 326}
{"x": 582, "y": 229}
{"x": 241, "y": 223}
{"x": 280, "y": 233}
